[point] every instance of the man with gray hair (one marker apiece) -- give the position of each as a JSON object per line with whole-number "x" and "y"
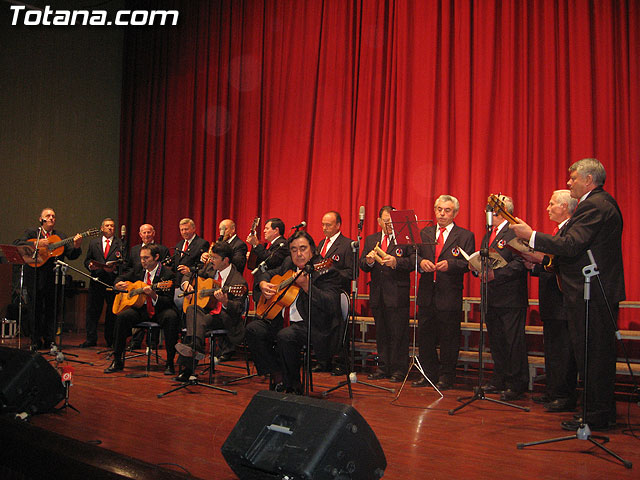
{"x": 507, "y": 313}
{"x": 595, "y": 226}
{"x": 559, "y": 360}
{"x": 442, "y": 269}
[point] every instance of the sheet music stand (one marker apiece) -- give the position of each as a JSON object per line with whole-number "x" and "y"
{"x": 405, "y": 230}
{"x": 18, "y": 255}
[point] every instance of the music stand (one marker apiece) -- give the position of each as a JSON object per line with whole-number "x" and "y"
{"x": 405, "y": 228}
{"x": 18, "y": 255}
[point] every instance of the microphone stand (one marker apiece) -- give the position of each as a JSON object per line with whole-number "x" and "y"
{"x": 415, "y": 361}
{"x": 193, "y": 379}
{"x": 263, "y": 264}
{"x": 350, "y": 350}
{"x": 584, "y": 432}
{"x": 478, "y": 391}
{"x": 34, "y": 315}
{"x": 308, "y": 383}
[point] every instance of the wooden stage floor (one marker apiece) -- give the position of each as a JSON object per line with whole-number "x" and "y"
{"x": 420, "y": 439}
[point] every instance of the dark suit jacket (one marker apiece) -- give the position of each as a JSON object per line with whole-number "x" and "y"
{"x": 239, "y": 259}
{"x": 280, "y": 252}
{"x": 597, "y": 225}
{"x": 133, "y": 261}
{"x": 509, "y": 287}
{"x": 325, "y": 299}
{"x": 446, "y": 293}
{"x": 165, "y": 297}
{"x": 342, "y": 255}
{"x": 388, "y": 287}
{"x": 551, "y": 300}
{"x": 196, "y": 248}
{"x": 96, "y": 254}
{"x": 46, "y": 271}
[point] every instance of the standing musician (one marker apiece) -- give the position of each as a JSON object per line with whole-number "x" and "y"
{"x": 187, "y": 252}
{"x": 272, "y": 252}
{"x": 390, "y": 267}
{"x": 289, "y": 328}
{"x": 559, "y": 361}
{"x": 226, "y": 311}
{"x": 507, "y": 313}
{"x": 227, "y": 229}
{"x": 337, "y": 247}
{"x": 103, "y": 256}
{"x": 42, "y": 315}
{"x": 596, "y": 225}
{"x": 158, "y": 307}
{"x": 442, "y": 270}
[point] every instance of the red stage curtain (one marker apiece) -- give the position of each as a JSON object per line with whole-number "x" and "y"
{"x": 291, "y": 108}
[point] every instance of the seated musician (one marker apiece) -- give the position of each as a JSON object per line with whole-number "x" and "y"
{"x": 158, "y": 307}
{"x": 224, "y": 310}
{"x": 275, "y": 344}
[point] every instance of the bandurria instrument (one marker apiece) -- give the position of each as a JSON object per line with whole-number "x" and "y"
{"x": 252, "y": 259}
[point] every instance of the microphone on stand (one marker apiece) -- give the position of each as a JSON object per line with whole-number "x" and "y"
{"x": 123, "y": 233}
{"x": 489, "y": 214}
{"x": 361, "y": 217}
{"x": 299, "y": 226}
{"x": 222, "y": 230}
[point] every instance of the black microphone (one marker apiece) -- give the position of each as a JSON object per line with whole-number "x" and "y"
{"x": 489, "y": 213}
{"x": 123, "y": 233}
{"x": 300, "y": 225}
{"x": 42, "y": 220}
{"x": 361, "y": 217}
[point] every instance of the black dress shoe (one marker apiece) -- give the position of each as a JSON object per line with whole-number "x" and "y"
{"x": 184, "y": 376}
{"x": 115, "y": 366}
{"x": 510, "y": 395}
{"x": 573, "y": 425}
{"x": 225, "y": 357}
{"x": 321, "y": 367}
{"x": 277, "y": 387}
{"x": 491, "y": 388}
{"x": 444, "y": 385}
{"x": 169, "y": 370}
{"x": 396, "y": 378}
{"x": 87, "y": 344}
{"x": 423, "y": 382}
{"x": 561, "y": 405}
{"x": 377, "y": 376}
{"x": 544, "y": 398}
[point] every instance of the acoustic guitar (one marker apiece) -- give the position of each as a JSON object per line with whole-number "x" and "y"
{"x": 286, "y": 291}
{"x": 205, "y": 298}
{"x": 55, "y": 248}
{"x": 134, "y": 296}
{"x": 252, "y": 259}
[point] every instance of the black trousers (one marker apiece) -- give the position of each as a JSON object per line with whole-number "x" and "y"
{"x": 392, "y": 339}
{"x": 559, "y": 359}
{"x": 436, "y": 327}
{"x": 126, "y": 320}
{"x": 98, "y": 297}
{"x": 506, "y": 328}
{"x": 601, "y": 377}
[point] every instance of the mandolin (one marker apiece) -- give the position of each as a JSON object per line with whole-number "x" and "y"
{"x": 134, "y": 296}
{"x": 204, "y": 298}
{"x": 252, "y": 259}
{"x": 286, "y": 291}
{"x": 55, "y": 248}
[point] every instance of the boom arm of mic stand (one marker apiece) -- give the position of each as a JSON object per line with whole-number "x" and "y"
{"x": 95, "y": 279}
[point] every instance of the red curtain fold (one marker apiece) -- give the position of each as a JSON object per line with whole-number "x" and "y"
{"x": 292, "y": 108}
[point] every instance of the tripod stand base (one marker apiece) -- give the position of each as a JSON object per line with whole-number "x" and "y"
{"x": 583, "y": 433}
{"x": 416, "y": 363}
{"x": 480, "y": 395}
{"x": 353, "y": 379}
{"x": 196, "y": 383}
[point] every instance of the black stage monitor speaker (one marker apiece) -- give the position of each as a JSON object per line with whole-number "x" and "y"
{"x": 287, "y": 436}
{"x": 28, "y": 383}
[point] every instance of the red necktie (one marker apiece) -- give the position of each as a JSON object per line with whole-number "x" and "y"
{"x": 150, "y": 309}
{"x": 286, "y": 321}
{"x": 268, "y": 246}
{"x": 385, "y": 243}
{"x": 185, "y": 247}
{"x": 106, "y": 249}
{"x": 439, "y": 245}
{"x": 492, "y": 237}
{"x": 556, "y": 230}
{"x": 324, "y": 247}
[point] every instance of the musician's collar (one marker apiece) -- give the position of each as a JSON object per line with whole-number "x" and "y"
{"x": 231, "y": 238}
{"x": 274, "y": 240}
{"x": 501, "y": 226}
{"x": 152, "y": 273}
{"x": 224, "y": 274}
